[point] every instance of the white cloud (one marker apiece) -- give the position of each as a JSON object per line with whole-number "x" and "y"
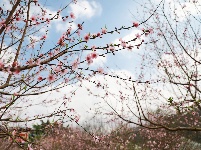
{"x": 130, "y": 37}
{"x": 86, "y": 9}
{"x": 82, "y": 101}
{"x": 99, "y": 61}
{"x": 182, "y": 9}
{"x": 63, "y": 27}
{"x": 7, "y": 55}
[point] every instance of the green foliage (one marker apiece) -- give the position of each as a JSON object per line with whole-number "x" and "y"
{"x": 39, "y": 130}
{"x": 170, "y": 100}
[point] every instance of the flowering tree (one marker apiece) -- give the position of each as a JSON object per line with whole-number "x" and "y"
{"x": 31, "y": 69}
{"x": 166, "y": 44}
{"x": 169, "y": 77}
{"x": 165, "y": 139}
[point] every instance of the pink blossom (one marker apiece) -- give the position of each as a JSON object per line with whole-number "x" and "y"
{"x": 100, "y": 70}
{"x": 72, "y": 110}
{"x": 93, "y": 47}
{"x": 30, "y": 62}
{"x": 14, "y": 133}
{"x": 111, "y": 48}
{"x": 135, "y": 24}
{"x": 51, "y": 78}
{"x": 18, "y": 18}
{"x": 50, "y": 54}
{"x": 120, "y": 40}
{"x": 38, "y": 61}
{"x": 66, "y": 80}
{"x": 8, "y": 69}
{"x": 33, "y": 18}
{"x": 41, "y": 55}
{"x": 60, "y": 42}
{"x": 78, "y": 32}
{"x": 89, "y": 59}
{"x": 56, "y": 51}
{"x": 104, "y": 31}
{"x": 8, "y": 29}
{"x": 75, "y": 64}
{"x": 98, "y": 34}
{"x": 86, "y": 37}
{"x": 40, "y": 78}
{"x": 35, "y": 1}
{"x": 17, "y": 71}
{"x": 160, "y": 34}
{"x": 77, "y": 118}
{"x": 43, "y": 37}
{"x": 2, "y": 22}
{"x": 151, "y": 31}
{"x": 123, "y": 44}
{"x": 79, "y": 26}
{"x": 1, "y": 64}
{"x": 94, "y": 55}
{"x": 48, "y": 20}
{"x": 57, "y": 69}
{"x": 69, "y": 30}
{"x": 138, "y": 35}
{"x": 72, "y": 15}
{"x": 44, "y": 12}
{"x": 16, "y": 94}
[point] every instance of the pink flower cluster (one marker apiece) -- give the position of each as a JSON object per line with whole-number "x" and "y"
{"x": 90, "y": 57}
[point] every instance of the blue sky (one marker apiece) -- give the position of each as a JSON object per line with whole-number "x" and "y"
{"x": 99, "y": 14}
{"x": 96, "y": 15}
{"x": 113, "y": 13}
